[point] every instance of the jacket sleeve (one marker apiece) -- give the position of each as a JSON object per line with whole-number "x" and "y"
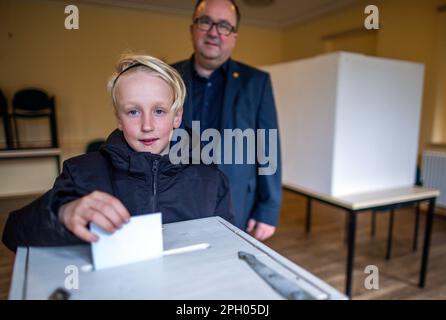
{"x": 224, "y": 207}
{"x": 269, "y": 185}
{"x": 37, "y": 224}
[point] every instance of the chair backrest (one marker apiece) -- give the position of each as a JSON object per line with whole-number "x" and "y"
{"x": 32, "y": 99}
{"x": 3, "y": 104}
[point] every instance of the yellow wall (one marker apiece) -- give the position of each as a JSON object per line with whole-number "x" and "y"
{"x": 409, "y": 31}
{"x": 305, "y": 40}
{"x": 439, "y": 127}
{"x": 74, "y": 65}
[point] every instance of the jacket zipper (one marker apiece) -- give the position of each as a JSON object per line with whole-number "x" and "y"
{"x": 155, "y": 180}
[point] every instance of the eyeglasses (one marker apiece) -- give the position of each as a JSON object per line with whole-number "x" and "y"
{"x": 206, "y": 24}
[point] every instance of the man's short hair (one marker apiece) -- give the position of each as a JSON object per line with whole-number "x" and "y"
{"x": 237, "y": 11}
{"x": 131, "y": 63}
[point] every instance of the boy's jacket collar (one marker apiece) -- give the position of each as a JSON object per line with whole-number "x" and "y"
{"x": 135, "y": 163}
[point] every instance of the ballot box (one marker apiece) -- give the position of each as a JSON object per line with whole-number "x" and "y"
{"x": 216, "y": 272}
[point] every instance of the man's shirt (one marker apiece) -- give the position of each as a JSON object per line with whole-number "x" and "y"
{"x": 207, "y": 97}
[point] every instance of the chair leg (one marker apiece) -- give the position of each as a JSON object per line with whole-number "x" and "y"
{"x": 16, "y": 131}
{"x": 417, "y": 223}
{"x": 373, "y": 230}
{"x": 390, "y": 235}
{"x": 8, "y": 133}
{"x": 53, "y": 128}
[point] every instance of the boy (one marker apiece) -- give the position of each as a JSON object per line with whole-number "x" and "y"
{"x": 131, "y": 174}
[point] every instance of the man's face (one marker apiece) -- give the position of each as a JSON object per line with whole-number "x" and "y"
{"x": 211, "y": 48}
{"x": 143, "y": 110}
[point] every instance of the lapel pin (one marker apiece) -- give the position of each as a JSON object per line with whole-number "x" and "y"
{"x": 235, "y": 75}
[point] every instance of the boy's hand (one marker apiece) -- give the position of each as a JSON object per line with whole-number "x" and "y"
{"x": 259, "y": 230}
{"x": 99, "y": 207}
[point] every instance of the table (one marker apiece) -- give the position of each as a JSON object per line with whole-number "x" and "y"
{"x": 213, "y": 273}
{"x": 390, "y": 199}
{"x": 32, "y": 153}
{"x": 7, "y": 129}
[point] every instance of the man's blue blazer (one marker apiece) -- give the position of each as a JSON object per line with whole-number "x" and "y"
{"x": 248, "y": 103}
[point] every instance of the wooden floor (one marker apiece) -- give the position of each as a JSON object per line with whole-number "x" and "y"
{"x": 6, "y": 256}
{"x": 324, "y": 254}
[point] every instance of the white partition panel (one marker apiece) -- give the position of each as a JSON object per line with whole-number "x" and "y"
{"x": 349, "y": 123}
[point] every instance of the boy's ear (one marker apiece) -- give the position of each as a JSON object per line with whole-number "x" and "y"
{"x": 177, "y": 119}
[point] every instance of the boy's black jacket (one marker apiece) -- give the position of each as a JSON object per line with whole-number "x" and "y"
{"x": 144, "y": 182}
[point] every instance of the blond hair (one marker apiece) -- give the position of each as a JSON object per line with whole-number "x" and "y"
{"x": 131, "y": 63}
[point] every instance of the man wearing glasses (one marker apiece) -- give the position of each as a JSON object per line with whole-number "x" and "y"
{"x": 226, "y": 94}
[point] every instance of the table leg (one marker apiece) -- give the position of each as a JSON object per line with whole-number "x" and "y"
{"x": 8, "y": 132}
{"x": 390, "y": 235}
{"x": 417, "y": 223}
{"x": 346, "y": 222}
{"x": 308, "y": 218}
{"x": 350, "y": 252}
{"x": 427, "y": 241}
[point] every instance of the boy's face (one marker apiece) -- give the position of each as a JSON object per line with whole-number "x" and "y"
{"x": 143, "y": 103}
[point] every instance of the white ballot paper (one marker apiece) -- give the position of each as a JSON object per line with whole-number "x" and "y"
{"x": 138, "y": 240}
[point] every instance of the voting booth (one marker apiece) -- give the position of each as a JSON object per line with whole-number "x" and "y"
{"x": 349, "y": 123}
